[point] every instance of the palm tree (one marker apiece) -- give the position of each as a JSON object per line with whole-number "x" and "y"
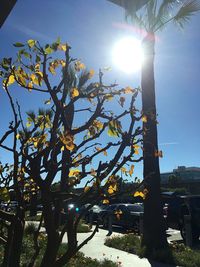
{"x": 6, "y": 7}
{"x": 153, "y": 17}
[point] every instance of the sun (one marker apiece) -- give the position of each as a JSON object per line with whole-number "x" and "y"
{"x": 128, "y": 54}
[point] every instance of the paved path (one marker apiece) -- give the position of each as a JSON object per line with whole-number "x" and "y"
{"x": 97, "y": 250}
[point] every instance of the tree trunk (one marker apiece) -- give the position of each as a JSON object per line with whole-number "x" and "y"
{"x": 71, "y": 241}
{"x": 51, "y": 251}
{"x": 154, "y": 236}
{"x": 33, "y": 205}
{"x": 17, "y": 241}
{"x": 18, "y": 233}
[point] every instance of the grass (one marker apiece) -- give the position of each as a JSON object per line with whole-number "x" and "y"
{"x": 177, "y": 254}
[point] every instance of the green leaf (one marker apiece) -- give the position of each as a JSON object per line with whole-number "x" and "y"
{"x": 27, "y": 55}
{"x": 114, "y": 128}
{"x": 48, "y": 50}
{"x": 18, "y": 45}
{"x": 58, "y": 41}
{"x": 4, "y": 194}
{"x": 38, "y": 59}
{"x": 31, "y": 43}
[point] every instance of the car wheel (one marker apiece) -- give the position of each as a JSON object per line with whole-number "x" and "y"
{"x": 183, "y": 232}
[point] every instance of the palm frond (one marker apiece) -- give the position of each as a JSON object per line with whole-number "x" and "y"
{"x": 41, "y": 112}
{"x": 31, "y": 115}
{"x": 164, "y": 13}
{"x": 131, "y": 6}
{"x": 151, "y": 13}
{"x": 139, "y": 20}
{"x": 188, "y": 9}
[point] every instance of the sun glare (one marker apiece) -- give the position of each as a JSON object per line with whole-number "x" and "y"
{"x": 128, "y": 55}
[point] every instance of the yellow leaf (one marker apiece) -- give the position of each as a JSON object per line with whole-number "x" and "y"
{"x": 118, "y": 214}
{"x": 28, "y": 124}
{"x": 35, "y": 144}
{"x": 79, "y": 66}
{"x": 129, "y": 90}
{"x": 91, "y": 74}
{"x": 105, "y": 153}
{"x": 131, "y": 170}
{"x": 74, "y": 92}
{"x": 17, "y": 136}
{"x": 62, "y": 47}
{"x": 123, "y": 169}
{"x": 63, "y": 63}
{"x": 144, "y": 118}
{"x": 47, "y": 102}
{"x": 93, "y": 172}
{"x": 74, "y": 172}
{"x": 52, "y": 69}
{"x": 112, "y": 189}
{"x": 11, "y": 79}
{"x": 39, "y": 73}
{"x": 139, "y": 194}
{"x": 109, "y": 97}
{"x": 86, "y": 188}
{"x": 159, "y": 153}
{"x": 62, "y": 148}
{"x": 30, "y": 86}
{"x": 106, "y": 201}
{"x": 31, "y": 43}
{"x": 32, "y": 77}
{"x": 22, "y": 80}
{"x": 68, "y": 140}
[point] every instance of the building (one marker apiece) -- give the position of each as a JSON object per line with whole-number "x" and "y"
{"x": 186, "y": 177}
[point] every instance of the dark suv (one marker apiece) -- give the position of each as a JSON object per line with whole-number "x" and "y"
{"x": 177, "y": 206}
{"x": 125, "y": 215}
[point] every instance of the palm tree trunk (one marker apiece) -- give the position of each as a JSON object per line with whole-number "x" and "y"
{"x": 154, "y": 236}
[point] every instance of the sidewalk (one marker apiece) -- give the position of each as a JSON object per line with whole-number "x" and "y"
{"x": 97, "y": 250}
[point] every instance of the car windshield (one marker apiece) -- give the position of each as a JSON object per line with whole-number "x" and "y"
{"x": 135, "y": 208}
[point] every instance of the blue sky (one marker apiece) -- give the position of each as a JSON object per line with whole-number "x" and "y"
{"x": 92, "y": 28}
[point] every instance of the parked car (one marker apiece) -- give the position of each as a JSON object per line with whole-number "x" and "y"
{"x": 124, "y": 215}
{"x": 177, "y": 207}
{"x": 93, "y": 213}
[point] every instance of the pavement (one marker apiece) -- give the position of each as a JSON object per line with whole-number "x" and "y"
{"x": 96, "y": 249}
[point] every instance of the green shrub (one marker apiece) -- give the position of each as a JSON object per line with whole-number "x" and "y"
{"x": 129, "y": 243}
{"x": 83, "y": 228}
{"x": 28, "y": 249}
{"x": 80, "y": 261}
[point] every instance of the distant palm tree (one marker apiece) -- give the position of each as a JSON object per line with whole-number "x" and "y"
{"x": 152, "y": 17}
